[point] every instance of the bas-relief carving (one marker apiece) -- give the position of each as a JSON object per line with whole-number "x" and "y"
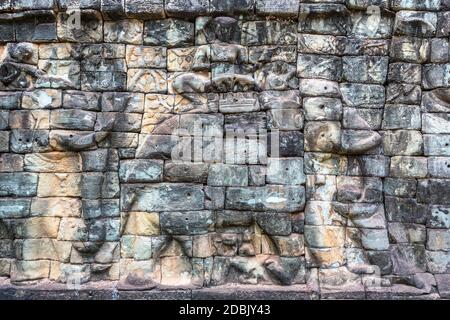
{"x": 332, "y": 200}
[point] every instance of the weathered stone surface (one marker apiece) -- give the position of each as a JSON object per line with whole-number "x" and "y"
{"x": 72, "y": 119}
{"x": 408, "y": 167}
{"x": 404, "y": 188}
{"x": 161, "y": 197}
{"x": 376, "y": 165}
{"x": 175, "y": 171}
{"x": 359, "y": 141}
{"x": 183, "y": 8}
{"x": 405, "y": 210}
{"x": 439, "y": 167}
{"x": 18, "y": 184}
{"x": 324, "y": 18}
{"x": 401, "y": 117}
{"x": 238, "y": 102}
{"x": 59, "y": 185}
{"x": 270, "y": 32}
{"x": 169, "y": 32}
{"x": 144, "y": 9}
{"x": 227, "y": 175}
{"x": 14, "y": 208}
{"x": 4, "y": 141}
{"x": 369, "y": 69}
{"x": 410, "y": 49}
{"x": 124, "y": 31}
{"x": 29, "y": 270}
{"x": 285, "y": 119}
{"x": 56, "y": 207}
{"x": 52, "y": 162}
{"x": 274, "y": 223}
{"x": 438, "y": 239}
{"x": 324, "y": 237}
{"x": 325, "y": 163}
{"x": 435, "y": 75}
{"x": 285, "y": 171}
{"x": 415, "y": 23}
{"x": 402, "y": 142}
{"x": 272, "y": 198}
{"x": 319, "y": 66}
{"x": 276, "y": 75}
{"x": 322, "y": 136}
{"x": 35, "y": 119}
{"x": 318, "y": 87}
{"x": 433, "y": 191}
{"x": 407, "y": 259}
{"x": 186, "y": 223}
{"x": 11, "y": 162}
{"x": 405, "y": 72}
{"x": 155, "y": 146}
{"x": 96, "y": 185}
{"x": 357, "y": 189}
{"x": 439, "y": 217}
{"x": 91, "y": 29}
{"x": 436, "y": 100}
{"x": 406, "y": 233}
{"x": 273, "y": 8}
{"x": 141, "y": 171}
{"x": 435, "y": 123}
{"x": 403, "y": 93}
{"x": 142, "y": 224}
{"x": 41, "y": 99}
{"x": 363, "y": 95}
{"x": 242, "y": 141}
{"x": 23, "y": 141}
{"x": 147, "y": 80}
{"x": 319, "y": 108}
{"x": 146, "y": 57}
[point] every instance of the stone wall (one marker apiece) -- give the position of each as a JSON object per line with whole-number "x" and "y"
{"x": 197, "y": 143}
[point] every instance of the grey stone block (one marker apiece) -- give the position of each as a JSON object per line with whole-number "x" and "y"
{"x": 319, "y": 108}
{"x": 404, "y": 188}
{"x": 319, "y": 66}
{"x": 436, "y": 123}
{"x": 439, "y": 167}
{"x": 141, "y": 170}
{"x": 72, "y": 119}
{"x": 398, "y": 116}
{"x": 363, "y": 95}
{"x": 14, "y": 208}
{"x": 231, "y": 6}
{"x": 187, "y": 223}
{"x": 161, "y": 197}
{"x": 227, "y": 175}
{"x": 406, "y": 210}
{"x": 274, "y": 223}
{"x": 18, "y": 184}
{"x": 285, "y": 171}
{"x": 366, "y": 69}
{"x": 144, "y": 9}
{"x": 439, "y": 217}
{"x": 169, "y": 32}
{"x": 267, "y": 198}
{"x": 405, "y": 73}
{"x": 435, "y": 191}
{"x": 186, "y": 8}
